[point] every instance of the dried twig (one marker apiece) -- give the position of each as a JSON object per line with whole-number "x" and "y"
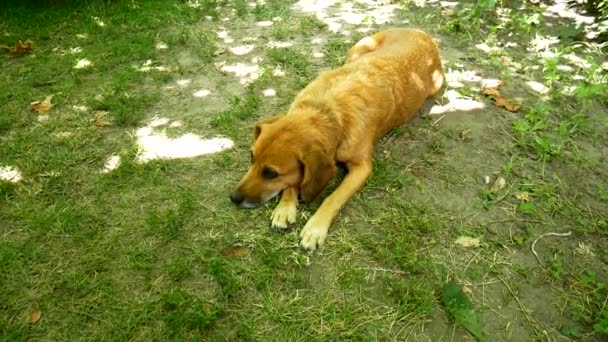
{"x": 384, "y": 270}
{"x": 542, "y": 236}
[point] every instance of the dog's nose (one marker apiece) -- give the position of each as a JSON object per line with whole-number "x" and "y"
{"x": 236, "y": 197}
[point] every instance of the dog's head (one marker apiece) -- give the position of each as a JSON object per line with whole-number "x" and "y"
{"x": 284, "y": 154}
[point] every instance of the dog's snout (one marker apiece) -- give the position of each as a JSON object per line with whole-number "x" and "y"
{"x": 236, "y": 197}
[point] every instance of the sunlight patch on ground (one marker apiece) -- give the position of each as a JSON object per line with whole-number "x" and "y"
{"x": 183, "y": 82}
{"x": 148, "y": 66}
{"x": 561, "y": 9}
{"x": 454, "y": 78}
{"x": 278, "y": 72}
{"x": 225, "y": 36}
{"x": 486, "y": 48}
{"x": 193, "y": 3}
{"x": 456, "y": 102}
{"x": 576, "y": 60}
{"x": 448, "y": 3}
{"x": 10, "y": 174}
{"x": 70, "y": 51}
{"x": 244, "y": 71}
{"x": 112, "y": 163}
{"x": 541, "y": 43}
{"x": 241, "y": 49}
{"x": 489, "y": 83}
{"x": 318, "y": 54}
{"x": 83, "y": 63}
{"x": 278, "y": 44}
{"x": 98, "y": 21}
{"x": 157, "y": 122}
{"x": 538, "y": 87}
{"x": 201, "y": 93}
{"x": 364, "y": 29}
{"x": 265, "y": 23}
{"x": 80, "y": 108}
{"x": 155, "y": 144}
{"x": 63, "y": 135}
{"x": 565, "y": 68}
{"x": 161, "y": 46}
{"x": 337, "y": 14}
{"x": 269, "y": 92}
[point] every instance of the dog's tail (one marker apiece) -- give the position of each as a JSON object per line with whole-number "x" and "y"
{"x": 365, "y": 45}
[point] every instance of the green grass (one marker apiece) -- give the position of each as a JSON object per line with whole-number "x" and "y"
{"x": 156, "y": 251}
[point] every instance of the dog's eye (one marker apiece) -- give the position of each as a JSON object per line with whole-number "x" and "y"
{"x": 269, "y": 173}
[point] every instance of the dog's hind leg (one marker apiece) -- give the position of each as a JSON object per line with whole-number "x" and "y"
{"x": 314, "y": 233}
{"x": 285, "y": 212}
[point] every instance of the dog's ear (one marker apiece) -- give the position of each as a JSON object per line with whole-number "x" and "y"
{"x": 319, "y": 169}
{"x": 258, "y": 126}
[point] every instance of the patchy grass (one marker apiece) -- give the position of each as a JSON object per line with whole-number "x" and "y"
{"x": 155, "y": 250}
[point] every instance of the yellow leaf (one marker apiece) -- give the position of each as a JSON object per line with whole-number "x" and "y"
{"x": 490, "y": 92}
{"x": 43, "y": 106}
{"x": 236, "y": 252}
{"x": 523, "y": 196}
{"x": 34, "y": 316}
{"x": 99, "y": 119}
{"x": 20, "y": 47}
{"x": 466, "y": 241}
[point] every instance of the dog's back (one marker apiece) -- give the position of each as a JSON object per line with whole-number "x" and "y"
{"x": 408, "y": 59}
{"x": 386, "y": 80}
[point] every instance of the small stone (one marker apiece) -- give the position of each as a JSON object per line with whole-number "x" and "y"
{"x": 498, "y": 185}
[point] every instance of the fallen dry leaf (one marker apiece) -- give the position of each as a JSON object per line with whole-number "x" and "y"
{"x": 236, "y": 252}
{"x": 207, "y": 307}
{"x": 499, "y": 101}
{"x": 100, "y": 116}
{"x": 44, "y": 105}
{"x": 498, "y": 185}
{"x": 523, "y": 196}
{"x": 512, "y": 107}
{"x": 490, "y": 91}
{"x": 502, "y": 102}
{"x": 20, "y": 48}
{"x": 448, "y": 12}
{"x": 34, "y": 316}
{"x": 467, "y": 241}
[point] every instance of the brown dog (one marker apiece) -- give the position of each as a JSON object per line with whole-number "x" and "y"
{"x": 338, "y": 118}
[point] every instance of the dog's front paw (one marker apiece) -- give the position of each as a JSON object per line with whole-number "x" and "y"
{"x": 313, "y": 234}
{"x": 283, "y": 216}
